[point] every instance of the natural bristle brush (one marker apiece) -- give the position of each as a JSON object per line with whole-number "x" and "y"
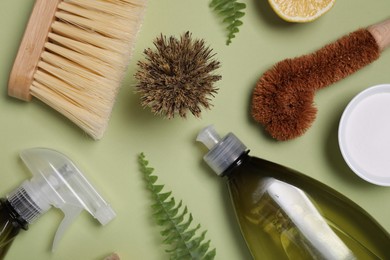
{"x": 74, "y": 55}
{"x": 282, "y": 100}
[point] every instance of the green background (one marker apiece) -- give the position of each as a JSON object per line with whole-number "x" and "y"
{"x": 111, "y": 163}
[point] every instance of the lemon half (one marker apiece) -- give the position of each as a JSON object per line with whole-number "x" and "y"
{"x": 301, "y": 11}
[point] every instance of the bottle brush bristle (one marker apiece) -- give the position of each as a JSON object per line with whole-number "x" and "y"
{"x": 283, "y": 99}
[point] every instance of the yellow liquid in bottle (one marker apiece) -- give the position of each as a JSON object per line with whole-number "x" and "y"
{"x": 286, "y": 215}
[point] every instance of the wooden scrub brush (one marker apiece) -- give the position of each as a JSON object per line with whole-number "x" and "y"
{"x": 74, "y": 55}
{"x": 282, "y": 100}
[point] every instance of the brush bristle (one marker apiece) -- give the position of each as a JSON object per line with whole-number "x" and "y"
{"x": 283, "y": 99}
{"x": 85, "y": 59}
{"x": 178, "y": 76}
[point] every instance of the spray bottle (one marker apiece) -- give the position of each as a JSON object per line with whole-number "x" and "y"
{"x": 284, "y": 214}
{"x": 56, "y": 182}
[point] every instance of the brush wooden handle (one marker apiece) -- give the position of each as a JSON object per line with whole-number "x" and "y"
{"x": 31, "y": 47}
{"x": 381, "y": 33}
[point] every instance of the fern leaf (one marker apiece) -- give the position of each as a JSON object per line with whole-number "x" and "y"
{"x": 183, "y": 241}
{"x": 231, "y": 11}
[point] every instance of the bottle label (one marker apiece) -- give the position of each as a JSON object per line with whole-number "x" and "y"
{"x": 286, "y": 212}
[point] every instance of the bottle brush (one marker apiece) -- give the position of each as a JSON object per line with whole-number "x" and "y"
{"x": 282, "y": 100}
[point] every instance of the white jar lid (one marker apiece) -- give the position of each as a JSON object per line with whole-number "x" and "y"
{"x": 364, "y": 134}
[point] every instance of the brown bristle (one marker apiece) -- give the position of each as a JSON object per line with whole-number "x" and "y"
{"x": 178, "y": 77}
{"x": 283, "y": 99}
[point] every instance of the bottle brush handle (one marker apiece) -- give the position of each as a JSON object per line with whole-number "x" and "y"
{"x": 381, "y": 33}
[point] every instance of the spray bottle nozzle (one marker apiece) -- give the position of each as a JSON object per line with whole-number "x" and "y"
{"x": 58, "y": 182}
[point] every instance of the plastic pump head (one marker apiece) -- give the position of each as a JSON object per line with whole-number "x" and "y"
{"x": 57, "y": 182}
{"x": 223, "y": 151}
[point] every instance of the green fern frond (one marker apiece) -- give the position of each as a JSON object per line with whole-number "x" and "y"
{"x": 232, "y": 12}
{"x": 183, "y": 241}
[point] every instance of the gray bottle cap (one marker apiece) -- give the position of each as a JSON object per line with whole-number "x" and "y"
{"x": 223, "y": 151}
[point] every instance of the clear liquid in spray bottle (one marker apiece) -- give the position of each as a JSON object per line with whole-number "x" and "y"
{"x": 56, "y": 182}
{"x": 284, "y": 214}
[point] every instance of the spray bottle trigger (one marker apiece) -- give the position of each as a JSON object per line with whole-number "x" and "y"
{"x": 70, "y": 213}
{"x": 57, "y": 182}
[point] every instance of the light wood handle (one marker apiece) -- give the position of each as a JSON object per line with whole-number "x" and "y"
{"x": 30, "y": 48}
{"x": 381, "y": 33}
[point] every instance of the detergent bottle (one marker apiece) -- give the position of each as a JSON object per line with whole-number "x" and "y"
{"x": 284, "y": 214}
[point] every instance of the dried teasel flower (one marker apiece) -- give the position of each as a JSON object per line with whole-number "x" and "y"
{"x": 177, "y": 77}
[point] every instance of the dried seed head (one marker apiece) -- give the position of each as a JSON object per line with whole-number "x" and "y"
{"x": 177, "y": 77}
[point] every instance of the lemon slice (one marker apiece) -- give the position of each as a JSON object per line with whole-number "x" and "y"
{"x": 301, "y": 11}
